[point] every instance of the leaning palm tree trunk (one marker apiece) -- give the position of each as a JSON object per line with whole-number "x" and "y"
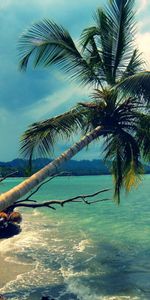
{"x": 8, "y": 198}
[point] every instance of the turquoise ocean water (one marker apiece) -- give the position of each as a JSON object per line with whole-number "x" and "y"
{"x": 82, "y": 252}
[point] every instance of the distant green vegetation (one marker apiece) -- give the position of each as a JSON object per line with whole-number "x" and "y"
{"x": 73, "y": 167}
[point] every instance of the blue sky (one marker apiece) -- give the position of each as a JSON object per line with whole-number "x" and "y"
{"x": 38, "y": 94}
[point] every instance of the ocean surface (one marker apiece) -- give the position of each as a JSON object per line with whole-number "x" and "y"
{"x": 80, "y": 252}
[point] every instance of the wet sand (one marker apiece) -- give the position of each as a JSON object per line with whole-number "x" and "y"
{"x": 10, "y": 270}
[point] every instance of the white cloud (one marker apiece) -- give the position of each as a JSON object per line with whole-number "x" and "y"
{"x": 51, "y": 103}
{"x": 142, "y": 5}
{"x": 143, "y": 41}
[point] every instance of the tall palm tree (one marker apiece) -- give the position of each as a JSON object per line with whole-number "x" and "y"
{"x": 107, "y": 60}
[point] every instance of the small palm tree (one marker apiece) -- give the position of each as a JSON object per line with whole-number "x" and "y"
{"x": 106, "y": 59}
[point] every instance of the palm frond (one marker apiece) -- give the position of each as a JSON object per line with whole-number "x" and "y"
{"x": 117, "y": 170}
{"x": 46, "y": 43}
{"x": 126, "y": 112}
{"x": 143, "y": 135}
{"x": 40, "y": 138}
{"x": 113, "y": 155}
{"x": 121, "y": 14}
{"x": 96, "y": 42}
{"x": 137, "y": 85}
{"x": 91, "y": 51}
{"x": 133, "y": 168}
{"x": 122, "y": 150}
{"x": 134, "y": 66}
{"x": 104, "y": 42}
{"x": 88, "y": 34}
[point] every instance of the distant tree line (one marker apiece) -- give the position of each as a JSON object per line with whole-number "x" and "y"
{"x": 75, "y": 168}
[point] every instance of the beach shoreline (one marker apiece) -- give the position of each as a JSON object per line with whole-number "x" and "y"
{"x": 9, "y": 270}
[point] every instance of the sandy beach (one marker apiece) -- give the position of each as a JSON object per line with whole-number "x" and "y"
{"x": 10, "y": 270}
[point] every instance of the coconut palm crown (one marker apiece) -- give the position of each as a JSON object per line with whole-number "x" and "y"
{"x": 107, "y": 60}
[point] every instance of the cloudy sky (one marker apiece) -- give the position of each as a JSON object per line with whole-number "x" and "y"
{"x": 38, "y": 94}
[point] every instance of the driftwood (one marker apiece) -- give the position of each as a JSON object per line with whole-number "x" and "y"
{"x": 32, "y": 203}
{"x": 49, "y": 203}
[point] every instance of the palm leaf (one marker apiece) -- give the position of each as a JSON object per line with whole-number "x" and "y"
{"x": 46, "y": 43}
{"x": 135, "y": 65}
{"x": 122, "y": 150}
{"x": 143, "y": 135}
{"x": 113, "y": 155}
{"x": 91, "y": 50}
{"x": 88, "y": 34}
{"x": 105, "y": 40}
{"x": 138, "y": 85}
{"x": 121, "y": 14}
{"x": 133, "y": 168}
{"x": 40, "y": 138}
{"x": 96, "y": 44}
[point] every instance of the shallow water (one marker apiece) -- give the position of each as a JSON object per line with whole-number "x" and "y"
{"x": 80, "y": 252}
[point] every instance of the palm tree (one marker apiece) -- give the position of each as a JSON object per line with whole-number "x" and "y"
{"x": 108, "y": 61}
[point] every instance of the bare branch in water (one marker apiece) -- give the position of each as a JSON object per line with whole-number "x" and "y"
{"x": 49, "y": 203}
{"x": 39, "y": 186}
{"x": 8, "y": 175}
{"x": 80, "y": 198}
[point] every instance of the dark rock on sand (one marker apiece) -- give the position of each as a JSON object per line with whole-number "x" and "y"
{"x": 2, "y": 297}
{"x": 9, "y": 231}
